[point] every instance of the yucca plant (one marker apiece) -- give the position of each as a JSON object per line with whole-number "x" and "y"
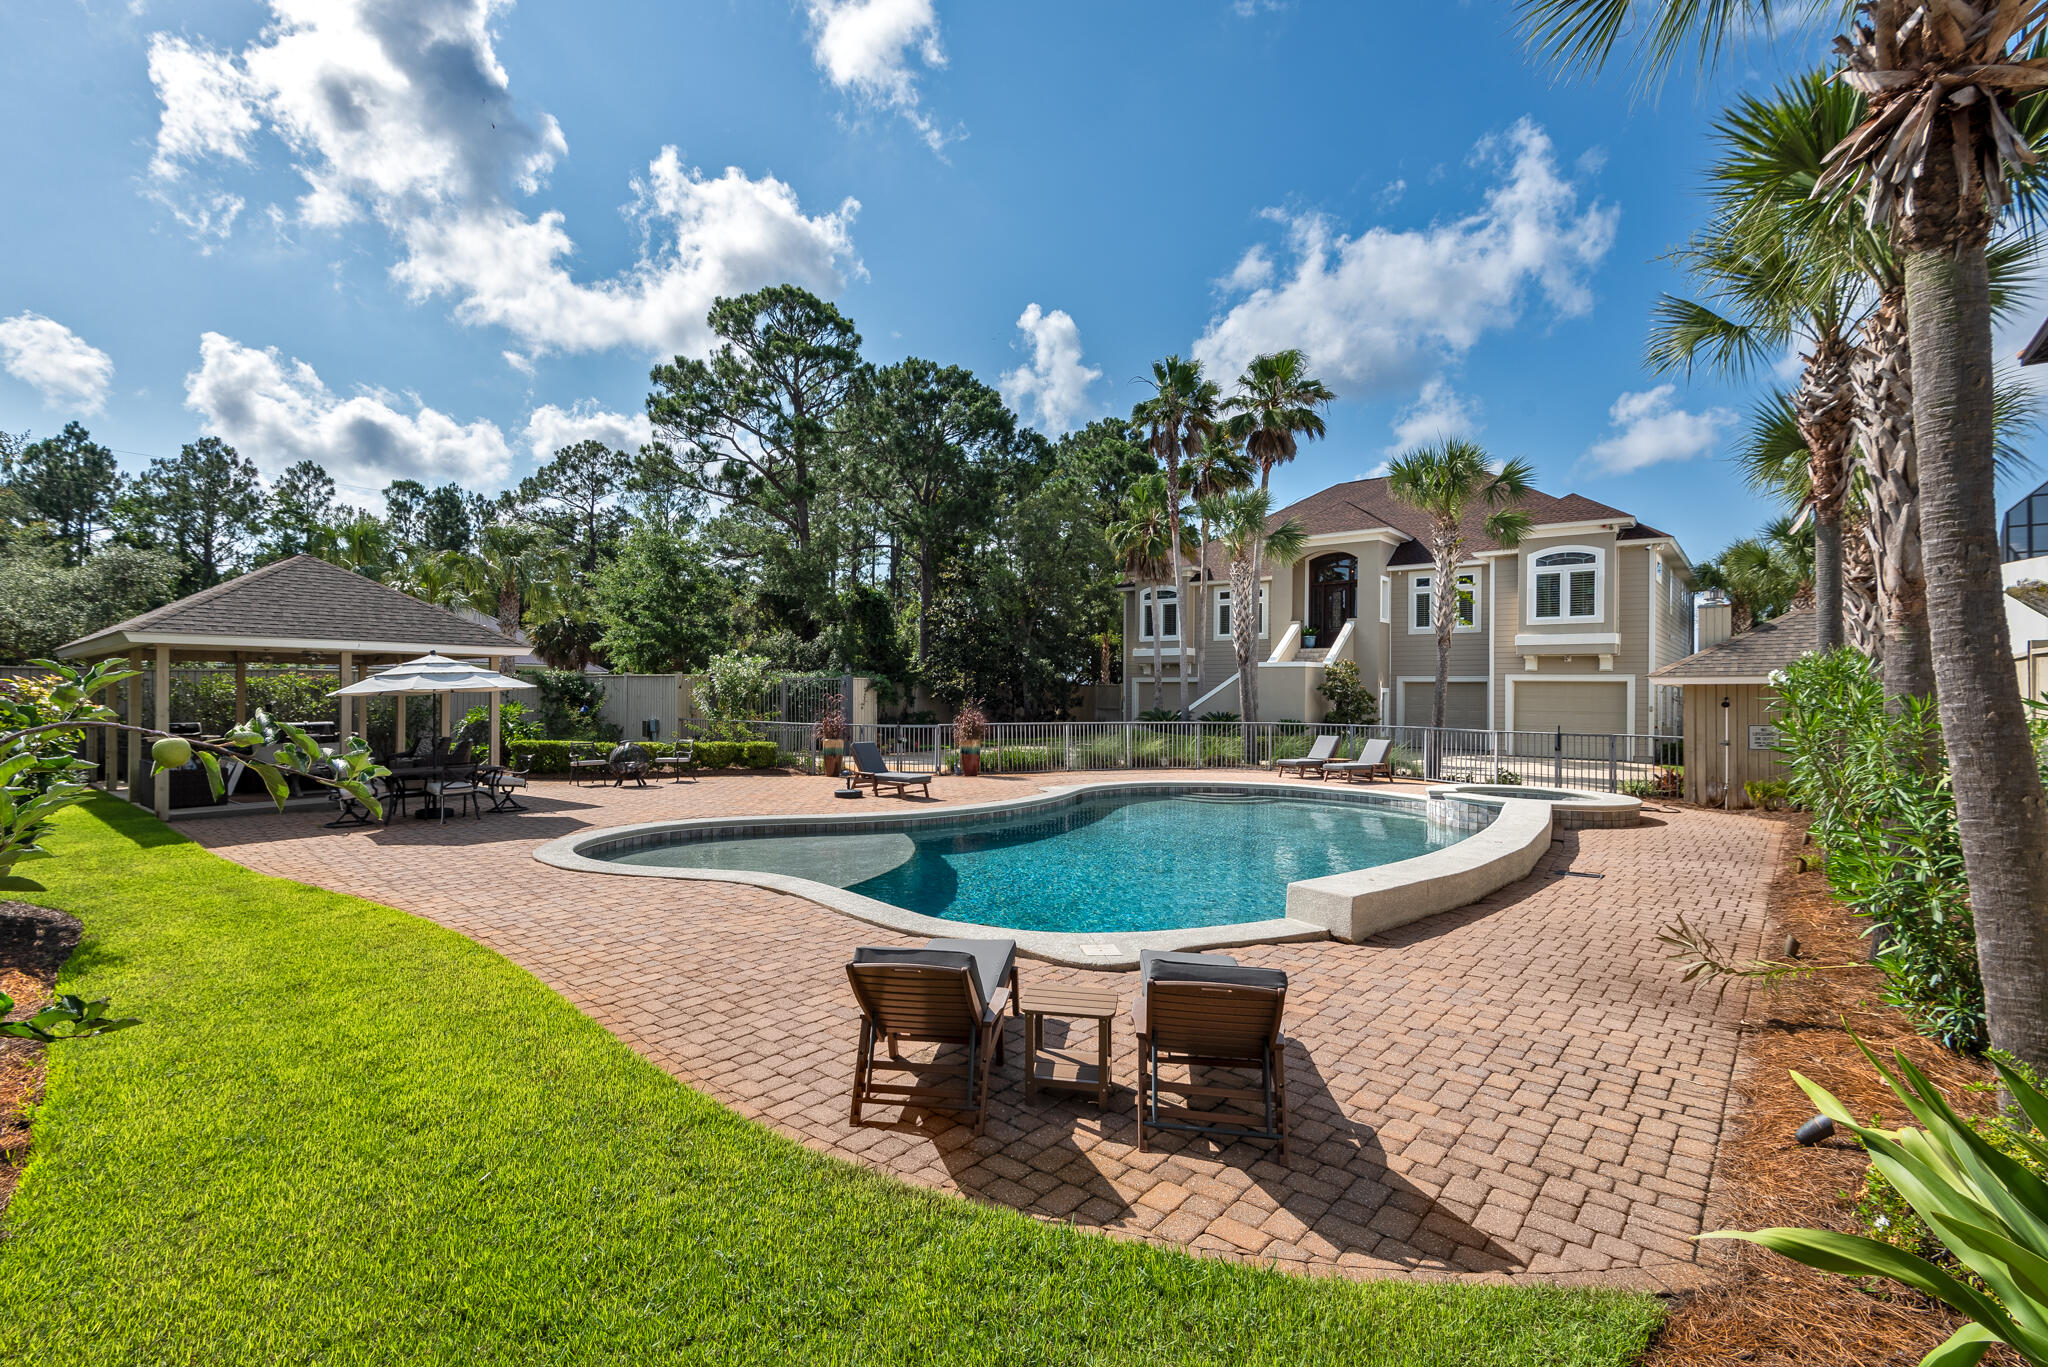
{"x": 1985, "y": 1206}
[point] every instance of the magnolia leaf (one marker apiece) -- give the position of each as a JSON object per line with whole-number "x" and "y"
{"x": 280, "y": 791}
{"x": 211, "y": 765}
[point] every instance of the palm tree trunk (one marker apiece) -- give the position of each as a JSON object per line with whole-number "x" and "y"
{"x": 1825, "y": 409}
{"x": 1861, "y": 627}
{"x": 1443, "y": 605}
{"x": 1244, "y": 633}
{"x": 2000, "y": 814}
{"x": 1202, "y": 612}
{"x": 1890, "y": 454}
{"x": 1180, "y": 588}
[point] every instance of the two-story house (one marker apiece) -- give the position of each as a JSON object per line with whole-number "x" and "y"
{"x": 1561, "y": 630}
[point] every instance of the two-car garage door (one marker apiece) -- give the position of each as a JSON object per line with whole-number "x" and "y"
{"x": 1581, "y": 708}
{"x": 1464, "y": 705}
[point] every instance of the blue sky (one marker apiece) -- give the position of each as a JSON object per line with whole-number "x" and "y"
{"x": 431, "y": 239}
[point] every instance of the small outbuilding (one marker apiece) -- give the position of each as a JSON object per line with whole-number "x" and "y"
{"x": 304, "y": 611}
{"x": 1726, "y": 687}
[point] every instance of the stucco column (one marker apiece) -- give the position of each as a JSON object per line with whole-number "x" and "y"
{"x": 162, "y": 722}
{"x": 241, "y": 692}
{"x": 347, "y": 712}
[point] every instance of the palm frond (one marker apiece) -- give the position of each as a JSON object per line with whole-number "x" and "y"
{"x": 1773, "y": 456}
{"x": 1683, "y": 332}
{"x": 2016, "y": 409}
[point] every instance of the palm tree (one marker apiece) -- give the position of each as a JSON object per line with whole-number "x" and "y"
{"x": 1179, "y": 416}
{"x": 430, "y": 576}
{"x": 1929, "y": 163}
{"x": 1146, "y": 537}
{"x": 1241, "y": 521}
{"x": 1276, "y": 401}
{"x": 511, "y": 571}
{"x": 1764, "y": 575}
{"x": 361, "y": 543}
{"x": 1220, "y": 467}
{"x": 1447, "y": 482}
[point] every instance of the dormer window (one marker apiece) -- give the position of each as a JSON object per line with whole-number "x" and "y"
{"x": 1566, "y": 585}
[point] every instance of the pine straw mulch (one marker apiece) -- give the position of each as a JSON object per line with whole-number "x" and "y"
{"x": 1762, "y": 1308}
{"x": 34, "y": 941}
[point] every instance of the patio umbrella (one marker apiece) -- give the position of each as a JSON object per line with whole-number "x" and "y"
{"x": 436, "y": 673}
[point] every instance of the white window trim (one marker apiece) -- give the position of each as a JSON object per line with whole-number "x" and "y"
{"x": 1386, "y": 600}
{"x": 1415, "y": 591}
{"x": 1220, "y": 599}
{"x": 1149, "y": 598}
{"x": 1599, "y": 613}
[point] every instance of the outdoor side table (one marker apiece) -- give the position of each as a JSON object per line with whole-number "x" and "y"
{"x": 1064, "y": 1069}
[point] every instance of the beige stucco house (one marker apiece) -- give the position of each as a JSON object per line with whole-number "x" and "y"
{"x": 1562, "y": 630}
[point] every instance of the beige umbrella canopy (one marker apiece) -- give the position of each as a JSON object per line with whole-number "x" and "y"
{"x": 436, "y": 673}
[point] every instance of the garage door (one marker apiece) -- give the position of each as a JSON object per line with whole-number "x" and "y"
{"x": 1464, "y": 705}
{"x": 1597, "y": 709}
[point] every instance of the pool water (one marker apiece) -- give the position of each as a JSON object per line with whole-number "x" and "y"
{"x": 1112, "y": 862}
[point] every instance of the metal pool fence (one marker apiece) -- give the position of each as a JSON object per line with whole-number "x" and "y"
{"x": 1450, "y": 754}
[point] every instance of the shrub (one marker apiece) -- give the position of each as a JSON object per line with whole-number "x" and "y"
{"x": 515, "y": 721}
{"x": 1352, "y": 703}
{"x": 1159, "y": 714}
{"x": 1877, "y": 783}
{"x": 570, "y": 705}
{"x": 758, "y": 754}
{"x": 718, "y": 754}
{"x": 1221, "y": 716}
{"x": 737, "y": 686}
{"x": 209, "y": 698}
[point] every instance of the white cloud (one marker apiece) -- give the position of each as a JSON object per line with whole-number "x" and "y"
{"x": 1379, "y": 312}
{"x": 1390, "y": 194}
{"x": 866, "y": 47}
{"x": 1649, "y": 430}
{"x": 68, "y": 371}
{"x": 550, "y": 428}
{"x": 1252, "y": 270}
{"x": 1438, "y": 412}
{"x": 403, "y": 114}
{"x": 1054, "y": 382}
{"x": 278, "y": 412}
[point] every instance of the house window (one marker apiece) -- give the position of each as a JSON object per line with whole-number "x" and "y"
{"x": 1158, "y": 615}
{"x": 1223, "y": 613}
{"x": 1387, "y": 598}
{"x": 1425, "y": 608}
{"x": 1567, "y": 587}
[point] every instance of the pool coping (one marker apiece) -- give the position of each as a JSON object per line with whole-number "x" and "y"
{"x": 1386, "y": 896}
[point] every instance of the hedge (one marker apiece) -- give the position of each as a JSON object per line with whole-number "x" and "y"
{"x": 552, "y": 756}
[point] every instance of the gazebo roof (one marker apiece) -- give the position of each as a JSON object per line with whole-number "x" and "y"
{"x": 294, "y": 608}
{"x": 1751, "y": 657}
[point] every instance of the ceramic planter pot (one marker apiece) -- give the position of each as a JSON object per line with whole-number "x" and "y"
{"x": 970, "y": 760}
{"x": 834, "y": 753}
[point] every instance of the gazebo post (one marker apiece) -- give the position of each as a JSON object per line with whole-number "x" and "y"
{"x": 241, "y": 691}
{"x": 495, "y": 697}
{"x": 398, "y": 723}
{"x": 134, "y": 718}
{"x": 447, "y": 714}
{"x": 348, "y": 676}
{"x": 162, "y": 785}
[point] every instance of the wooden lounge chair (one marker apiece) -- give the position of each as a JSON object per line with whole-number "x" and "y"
{"x": 1371, "y": 763}
{"x": 1322, "y": 752}
{"x": 874, "y": 771}
{"x": 1208, "y": 1011}
{"x": 948, "y": 992}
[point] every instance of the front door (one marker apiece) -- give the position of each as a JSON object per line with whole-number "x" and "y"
{"x": 1332, "y": 595}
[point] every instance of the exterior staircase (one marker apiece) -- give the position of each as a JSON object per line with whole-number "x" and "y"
{"x": 1312, "y": 656}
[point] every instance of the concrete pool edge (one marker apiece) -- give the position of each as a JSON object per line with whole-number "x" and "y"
{"x": 1398, "y": 893}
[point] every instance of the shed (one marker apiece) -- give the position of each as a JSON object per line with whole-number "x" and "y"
{"x": 303, "y": 610}
{"x": 1726, "y": 686}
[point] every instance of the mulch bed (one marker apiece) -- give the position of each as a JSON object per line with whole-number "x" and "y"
{"x": 1763, "y": 1308}
{"x": 34, "y": 941}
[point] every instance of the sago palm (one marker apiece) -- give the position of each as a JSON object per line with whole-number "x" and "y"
{"x": 1177, "y": 419}
{"x": 1447, "y": 482}
{"x": 1242, "y": 534}
{"x": 1930, "y": 164}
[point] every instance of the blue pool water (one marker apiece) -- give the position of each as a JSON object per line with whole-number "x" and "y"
{"x": 1111, "y": 862}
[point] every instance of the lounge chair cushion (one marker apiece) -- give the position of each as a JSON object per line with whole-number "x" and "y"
{"x": 1163, "y": 966}
{"x": 989, "y": 961}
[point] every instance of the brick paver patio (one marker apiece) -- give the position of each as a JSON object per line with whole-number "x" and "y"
{"x": 1520, "y": 1088}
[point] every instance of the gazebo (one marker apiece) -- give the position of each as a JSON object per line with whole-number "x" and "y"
{"x": 299, "y": 611}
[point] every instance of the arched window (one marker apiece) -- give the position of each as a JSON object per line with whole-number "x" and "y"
{"x": 1158, "y": 615}
{"x": 1565, "y": 585}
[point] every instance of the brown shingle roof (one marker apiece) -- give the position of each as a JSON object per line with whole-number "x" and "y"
{"x": 1754, "y": 654}
{"x": 307, "y": 599}
{"x": 1362, "y": 504}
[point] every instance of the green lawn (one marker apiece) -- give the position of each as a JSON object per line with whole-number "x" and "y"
{"x": 343, "y": 1134}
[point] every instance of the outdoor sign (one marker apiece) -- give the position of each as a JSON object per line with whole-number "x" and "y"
{"x": 1763, "y": 737}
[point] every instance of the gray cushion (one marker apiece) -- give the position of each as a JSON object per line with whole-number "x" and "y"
{"x": 989, "y": 961}
{"x": 1161, "y": 966}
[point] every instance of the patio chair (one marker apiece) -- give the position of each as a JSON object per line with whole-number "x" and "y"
{"x": 874, "y": 771}
{"x": 682, "y": 760}
{"x": 950, "y": 992}
{"x": 1371, "y": 763}
{"x": 586, "y": 763}
{"x": 458, "y": 785}
{"x": 351, "y": 811}
{"x": 629, "y": 763}
{"x": 1208, "y": 1011}
{"x": 503, "y": 783}
{"x": 1322, "y": 752}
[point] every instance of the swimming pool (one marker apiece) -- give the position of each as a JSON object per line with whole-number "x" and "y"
{"x": 1111, "y": 861}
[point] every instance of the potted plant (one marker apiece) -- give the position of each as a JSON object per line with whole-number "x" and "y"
{"x": 830, "y": 733}
{"x": 968, "y": 725}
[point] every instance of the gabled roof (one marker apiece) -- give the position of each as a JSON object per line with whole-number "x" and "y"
{"x": 303, "y": 603}
{"x": 1750, "y": 657}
